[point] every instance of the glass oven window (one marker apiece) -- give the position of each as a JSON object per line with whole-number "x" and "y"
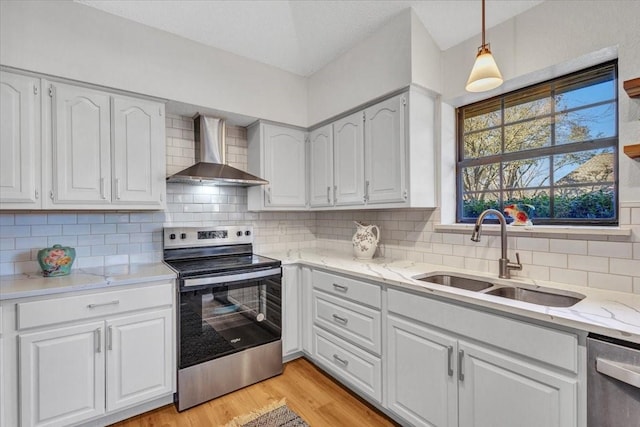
{"x": 226, "y": 318}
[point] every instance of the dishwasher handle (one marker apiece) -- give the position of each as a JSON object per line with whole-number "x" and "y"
{"x": 628, "y": 374}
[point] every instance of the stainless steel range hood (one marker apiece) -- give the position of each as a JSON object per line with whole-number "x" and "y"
{"x": 210, "y": 168}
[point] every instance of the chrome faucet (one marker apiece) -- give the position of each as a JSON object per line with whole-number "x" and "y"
{"x": 504, "y": 264}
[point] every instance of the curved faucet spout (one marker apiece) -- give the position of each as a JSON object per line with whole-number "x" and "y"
{"x": 504, "y": 263}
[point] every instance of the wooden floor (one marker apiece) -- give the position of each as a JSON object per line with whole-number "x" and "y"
{"x": 308, "y": 391}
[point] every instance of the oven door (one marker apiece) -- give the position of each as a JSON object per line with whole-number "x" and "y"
{"x": 226, "y": 314}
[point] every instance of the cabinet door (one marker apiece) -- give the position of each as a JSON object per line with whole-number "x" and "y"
{"x": 138, "y": 151}
{"x": 62, "y": 375}
{"x": 321, "y": 167}
{"x": 284, "y": 167}
{"x": 290, "y": 310}
{"x": 139, "y": 358}
{"x": 499, "y": 391}
{"x": 19, "y": 141}
{"x": 348, "y": 147}
{"x": 421, "y": 377}
{"x": 306, "y": 308}
{"x": 81, "y": 146}
{"x": 385, "y": 147}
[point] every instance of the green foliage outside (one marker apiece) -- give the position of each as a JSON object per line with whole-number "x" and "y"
{"x": 598, "y": 204}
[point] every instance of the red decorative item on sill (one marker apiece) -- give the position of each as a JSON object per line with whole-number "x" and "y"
{"x": 521, "y": 213}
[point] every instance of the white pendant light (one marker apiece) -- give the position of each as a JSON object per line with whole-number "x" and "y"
{"x": 484, "y": 74}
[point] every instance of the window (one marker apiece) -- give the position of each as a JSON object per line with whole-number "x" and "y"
{"x": 551, "y": 149}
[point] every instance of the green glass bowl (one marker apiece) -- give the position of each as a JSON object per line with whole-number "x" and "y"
{"x": 56, "y": 261}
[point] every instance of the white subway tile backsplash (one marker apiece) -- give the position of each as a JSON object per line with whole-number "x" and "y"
{"x": 15, "y": 231}
{"x": 611, "y": 282}
{"x": 31, "y": 242}
{"x": 31, "y": 219}
{"x": 7, "y": 244}
{"x": 6, "y": 219}
{"x": 576, "y": 247}
{"x": 104, "y": 250}
{"x": 532, "y": 244}
{"x": 48, "y": 230}
{"x": 62, "y": 218}
{"x": 73, "y": 230}
{"x": 588, "y": 263}
{"x": 550, "y": 259}
{"x": 62, "y": 241}
{"x": 90, "y": 240}
{"x": 90, "y": 218}
{"x": 572, "y": 277}
{"x": 611, "y": 249}
{"x": 625, "y": 267}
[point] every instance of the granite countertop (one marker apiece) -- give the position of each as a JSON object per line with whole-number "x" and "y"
{"x": 34, "y": 284}
{"x": 610, "y": 313}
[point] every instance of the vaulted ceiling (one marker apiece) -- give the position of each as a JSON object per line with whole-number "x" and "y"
{"x": 302, "y": 36}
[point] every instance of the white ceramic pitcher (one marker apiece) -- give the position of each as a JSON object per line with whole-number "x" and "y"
{"x": 365, "y": 241}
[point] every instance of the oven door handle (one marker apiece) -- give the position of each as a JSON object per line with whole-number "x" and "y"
{"x": 626, "y": 373}
{"x": 232, "y": 277}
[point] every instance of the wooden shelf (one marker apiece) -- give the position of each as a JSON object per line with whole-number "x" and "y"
{"x": 632, "y": 151}
{"x": 632, "y": 87}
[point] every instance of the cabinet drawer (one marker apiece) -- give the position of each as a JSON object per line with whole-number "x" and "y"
{"x": 356, "y": 367}
{"x": 557, "y": 348}
{"x": 355, "y": 290}
{"x": 66, "y": 309}
{"x": 353, "y": 322}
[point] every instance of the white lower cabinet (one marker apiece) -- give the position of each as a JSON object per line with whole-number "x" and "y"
{"x": 62, "y": 375}
{"x": 90, "y": 355}
{"x": 439, "y": 377}
{"x": 421, "y": 385}
{"x": 497, "y": 390}
{"x": 139, "y": 362}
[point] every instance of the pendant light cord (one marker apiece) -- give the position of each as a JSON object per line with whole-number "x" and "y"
{"x": 483, "y": 41}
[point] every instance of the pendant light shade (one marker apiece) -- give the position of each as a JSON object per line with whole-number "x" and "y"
{"x": 485, "y": 74}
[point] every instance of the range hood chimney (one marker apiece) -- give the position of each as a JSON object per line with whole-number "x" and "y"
{"x": 210, "y": 168}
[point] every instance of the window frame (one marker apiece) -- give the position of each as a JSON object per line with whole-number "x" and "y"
{"x": 552, "y": 149}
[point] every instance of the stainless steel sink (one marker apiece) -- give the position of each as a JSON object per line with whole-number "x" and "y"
{"x": 552, "y": 298}
{"x": 456, "y": 282}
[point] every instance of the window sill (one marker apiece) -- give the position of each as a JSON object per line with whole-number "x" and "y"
{"x": 559, "y": 231}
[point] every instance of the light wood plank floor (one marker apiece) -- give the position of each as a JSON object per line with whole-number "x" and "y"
{"x": 309, "y": 392}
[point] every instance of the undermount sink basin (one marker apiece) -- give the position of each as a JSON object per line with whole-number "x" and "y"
{"x": 456, "y": 282}
{"x": 538, "y": 296}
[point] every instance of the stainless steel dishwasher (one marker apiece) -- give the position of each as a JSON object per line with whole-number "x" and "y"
{"x": 613, "y": 382}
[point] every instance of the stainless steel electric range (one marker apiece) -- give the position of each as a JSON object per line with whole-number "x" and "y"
{"x": 229, "y": 315}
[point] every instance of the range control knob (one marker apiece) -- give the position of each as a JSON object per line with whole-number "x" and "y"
{"x": 247, "y": 233}
{"x": 239, "y": 233}
{"x": 172, "y": 236}
{"x": 183, "y": 235}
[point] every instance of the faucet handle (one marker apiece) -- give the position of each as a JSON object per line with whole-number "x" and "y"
{"x": 514, "y": 265}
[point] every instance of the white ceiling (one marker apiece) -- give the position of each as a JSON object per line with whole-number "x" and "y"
{"x": 302, "y": 36}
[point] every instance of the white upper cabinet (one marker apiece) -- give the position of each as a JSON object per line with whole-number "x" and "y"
{"x": 321, "y": 167}
{"x": 277, "y": 154}
{"x": 80, "y": 145}
{"x": 385, "y": 151}
{"x": 348, "y": 142}
{"x": 106, "y": 151}
{"x": 19, "y": 142}
{"x": 138, "y": 161}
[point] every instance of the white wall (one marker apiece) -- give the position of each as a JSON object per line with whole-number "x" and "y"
{"x": 379, "y": 64}
{"x": 426, "y": 69}
{"x": 75, "y": 41}
{"x": 545, "y": 42}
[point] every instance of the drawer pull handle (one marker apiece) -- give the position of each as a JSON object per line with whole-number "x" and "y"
{"x": 450, "y": 360}
{"x": 102, "y": 304}
{"x": 343, "y": 362}
{"x": 460, "y": 357}
{"x": 340, "y": 319}
{"x": 98, "y": 338}
{"x": 340, "y": 288}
